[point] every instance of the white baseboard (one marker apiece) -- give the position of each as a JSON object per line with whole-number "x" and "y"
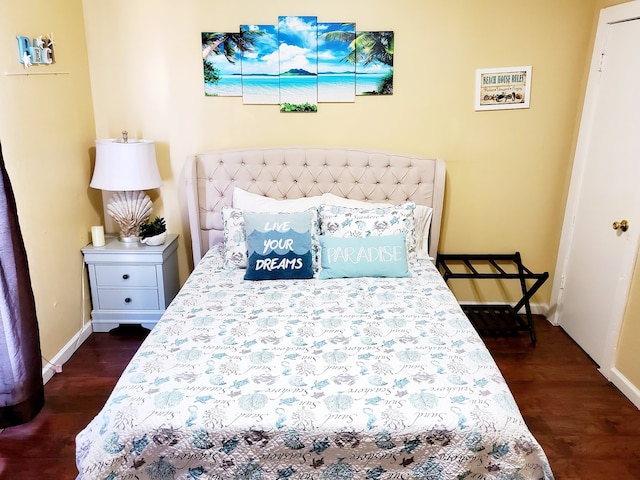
{"x": 625, "y": 386}
{"x": 49, "y": 369}
{"x": 538, "y": 309}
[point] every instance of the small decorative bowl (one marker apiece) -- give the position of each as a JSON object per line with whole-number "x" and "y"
{"x": 155, "y": 240}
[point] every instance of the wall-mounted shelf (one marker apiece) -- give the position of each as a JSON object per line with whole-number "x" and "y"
{"x": 26, "y": 74}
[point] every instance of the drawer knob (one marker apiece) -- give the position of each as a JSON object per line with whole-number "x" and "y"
{"x": 125, "y": 276}
{"x": 127, "y": 300}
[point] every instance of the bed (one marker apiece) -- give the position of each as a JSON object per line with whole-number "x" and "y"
{"x": 359, "y": 365}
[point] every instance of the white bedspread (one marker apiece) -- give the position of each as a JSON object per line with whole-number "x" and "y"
{"x": 311, "y": 379}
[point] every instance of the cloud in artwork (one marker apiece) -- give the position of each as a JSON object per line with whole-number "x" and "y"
{"x": 263, "y": 58}
{"x": 293, "y": 56}
{"x": 303, "y": 29}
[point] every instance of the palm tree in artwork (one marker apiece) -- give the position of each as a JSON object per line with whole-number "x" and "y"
{"x": 375, "y": 47}
{"x": 228, "y": 44}
{"x": 366, "y": 47}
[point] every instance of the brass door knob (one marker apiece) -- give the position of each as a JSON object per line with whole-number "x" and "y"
{"x": 621, "y": 225}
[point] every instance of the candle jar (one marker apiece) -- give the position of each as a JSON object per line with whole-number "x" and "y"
{"x": 97, "y": 236}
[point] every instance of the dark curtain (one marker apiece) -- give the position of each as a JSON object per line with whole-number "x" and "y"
{"x": 21, "y": 387}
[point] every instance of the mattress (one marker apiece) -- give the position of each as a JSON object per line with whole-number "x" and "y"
{"x": 362, "y": 378}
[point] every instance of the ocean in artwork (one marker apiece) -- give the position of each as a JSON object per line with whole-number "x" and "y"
{"x": 273, "y": 89}
{"x": 227, "y": 86}
{"x": 368, "y": 82}
{"x": 336, "y": 87}
{"x": 299, "y": 89}
{"x": 261, "y": 89}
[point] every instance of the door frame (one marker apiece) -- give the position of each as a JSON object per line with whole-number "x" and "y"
{"x": 614, "y": 14}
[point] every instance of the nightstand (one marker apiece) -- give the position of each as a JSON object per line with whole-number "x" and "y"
{"x": 131, "y": 283}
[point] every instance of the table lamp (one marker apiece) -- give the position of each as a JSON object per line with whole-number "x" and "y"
{"x": 127, "y": 167}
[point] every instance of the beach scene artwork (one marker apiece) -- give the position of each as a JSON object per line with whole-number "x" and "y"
{"x": 221, "y": 64}
{"x": 261, "y": 66}
{"x": 298, "y": 46}
{"x": 336, "y": 70}
{"x": 298, "y": 63}
{"x": 374, "y": 63}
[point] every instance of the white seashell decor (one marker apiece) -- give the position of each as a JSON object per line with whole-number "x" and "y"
{"x": 129, "y": 210}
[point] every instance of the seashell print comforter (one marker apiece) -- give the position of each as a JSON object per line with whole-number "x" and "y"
{"x": 365, "y": 378}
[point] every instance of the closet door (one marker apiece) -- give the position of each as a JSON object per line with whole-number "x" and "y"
{"x": 602, "y": 221}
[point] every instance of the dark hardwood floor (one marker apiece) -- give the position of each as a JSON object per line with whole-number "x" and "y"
{"x": 586, "y": 426}
{"x": 588, "y": 429}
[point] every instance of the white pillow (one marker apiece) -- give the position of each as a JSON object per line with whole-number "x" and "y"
{"x": 253, "y": 202}
{"x": 331, "y": 199}
{"x": 421, "y": 217}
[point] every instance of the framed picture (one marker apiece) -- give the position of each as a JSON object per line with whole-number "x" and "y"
{"x": 503, "y": 88}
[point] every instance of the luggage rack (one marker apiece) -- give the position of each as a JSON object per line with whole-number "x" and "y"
{"x": 498, "y": 318}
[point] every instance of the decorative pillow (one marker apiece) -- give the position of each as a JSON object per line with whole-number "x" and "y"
{"x": 376, "y": 256}
{"x": 235, "y": 240}
{"x": 337, "y": 221}
{"x": 253, "y": 202}
{"x": 421, "y": 217}
{"x": 279, "y": 245}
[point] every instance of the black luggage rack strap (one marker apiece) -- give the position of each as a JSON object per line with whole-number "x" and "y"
{"x": 501, "y": 317}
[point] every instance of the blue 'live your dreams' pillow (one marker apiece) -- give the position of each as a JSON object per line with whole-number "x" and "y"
{"x": 279, "y": 245}
{"x": 382, "y": 256}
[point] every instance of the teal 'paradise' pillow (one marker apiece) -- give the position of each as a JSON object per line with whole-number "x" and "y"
{"x": 379, "y": 256}
{"x": 279, "y": 245}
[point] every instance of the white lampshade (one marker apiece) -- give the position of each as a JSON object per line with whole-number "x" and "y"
{"x": 125, "y": 166}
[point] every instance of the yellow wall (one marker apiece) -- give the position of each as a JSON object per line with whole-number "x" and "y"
{"x": 507, "y": 170}
{"x": 46, "y": 130}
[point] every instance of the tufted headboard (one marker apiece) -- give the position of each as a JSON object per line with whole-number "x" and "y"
{"x": 294, "y": 172}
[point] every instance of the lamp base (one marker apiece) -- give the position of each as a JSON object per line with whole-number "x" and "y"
{"x": 129, "y": 210}
{"x": 131, "y": 239}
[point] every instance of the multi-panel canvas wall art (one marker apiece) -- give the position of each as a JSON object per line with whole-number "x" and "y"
{"x": 298, "y": 63}
{"x": 336, "y": 70}
{"x": 260, "y": 66}
{"x": 222, "y": 67}
{"x": 298, "y": 49}
{"x": 374, "y": 63}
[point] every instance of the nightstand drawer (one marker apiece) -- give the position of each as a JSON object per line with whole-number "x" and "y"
{"x": 126, "y": 276}
{"x": 128, "y": 299}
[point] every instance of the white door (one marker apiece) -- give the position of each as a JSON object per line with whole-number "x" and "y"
{"x": 596, "y": 261}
